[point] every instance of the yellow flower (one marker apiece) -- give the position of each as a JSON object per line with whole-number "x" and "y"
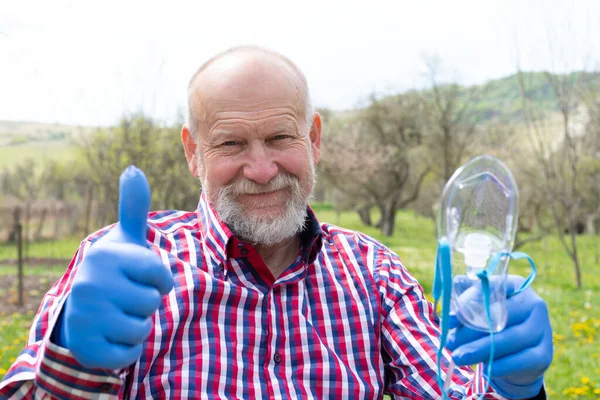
{"x": 585, "y": 380}
{"x": 597, "y": 391}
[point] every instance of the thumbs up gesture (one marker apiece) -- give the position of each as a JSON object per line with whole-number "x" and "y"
{"x": 118, "y": 286}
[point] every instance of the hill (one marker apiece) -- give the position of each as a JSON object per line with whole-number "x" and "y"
{"x": 498, "y": 100}
{"x": 20, "y": 140}
{"x": 20, "y": 132}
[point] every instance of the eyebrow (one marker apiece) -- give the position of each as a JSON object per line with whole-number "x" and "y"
{"x": 284, "y": 126}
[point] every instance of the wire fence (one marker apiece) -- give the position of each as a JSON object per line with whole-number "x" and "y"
{"x": 33, "y": 251}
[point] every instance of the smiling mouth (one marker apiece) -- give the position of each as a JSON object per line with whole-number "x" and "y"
{"x": 265, "y": 193}
{"x": 264, "y": 199}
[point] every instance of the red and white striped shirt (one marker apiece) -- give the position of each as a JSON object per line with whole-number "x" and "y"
{"x": 346, "y": 320}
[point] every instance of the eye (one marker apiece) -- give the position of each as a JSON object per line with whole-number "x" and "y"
{"x": 280, "y": 137}
{"x": 230, "y": 143}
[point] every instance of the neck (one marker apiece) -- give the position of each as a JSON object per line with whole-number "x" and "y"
{"x": 279, "y": 256}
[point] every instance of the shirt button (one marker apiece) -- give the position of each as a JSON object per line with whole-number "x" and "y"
{"x": 105, "y": 387}
{"x": 277, "y": 358}
{"x": 244, "y": 251}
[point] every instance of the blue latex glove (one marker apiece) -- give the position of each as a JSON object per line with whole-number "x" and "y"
{"x": 117, "y": 288}
{"x": 523, "y": 350}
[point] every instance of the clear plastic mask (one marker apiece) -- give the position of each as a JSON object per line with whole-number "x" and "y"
{"x": 478, "y": 218}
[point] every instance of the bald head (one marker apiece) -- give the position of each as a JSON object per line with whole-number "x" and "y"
{"x": 242, "y": 72}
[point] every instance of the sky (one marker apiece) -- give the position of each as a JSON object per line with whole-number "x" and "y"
{"x": 90, "y": 62}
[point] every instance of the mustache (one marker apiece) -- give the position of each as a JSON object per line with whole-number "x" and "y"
{"x": 247, "y": 186}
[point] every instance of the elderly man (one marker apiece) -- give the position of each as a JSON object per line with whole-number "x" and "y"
{"x": 249, "y": 296}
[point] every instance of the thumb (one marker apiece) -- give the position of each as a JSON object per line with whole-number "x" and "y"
{"x": 134, "y": 204}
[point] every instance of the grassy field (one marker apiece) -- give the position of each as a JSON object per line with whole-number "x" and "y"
{"x": 39, "y": 151}
{"x": 49, "y": 249}
{"x": 575, "y": 314}
{"x": 40, "y": 141}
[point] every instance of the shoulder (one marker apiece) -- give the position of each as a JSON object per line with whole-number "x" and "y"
{"x": 381, "y": 261}
{"x": 170, "y": 221}
{"x": 334, "y": 233}
{"x": 356, "y": 242}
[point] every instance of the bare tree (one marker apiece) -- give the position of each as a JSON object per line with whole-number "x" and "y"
{"x": 450, "y": 122}
{"x": 373, "y": 160}
{"x": 590, "y": 179}
{"x": 559, "y": 164}
{"x": 24, "y": 183}
{"x": 143, "y": 142}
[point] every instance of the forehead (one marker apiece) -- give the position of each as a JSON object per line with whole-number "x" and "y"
{"x": 250, "y": 84}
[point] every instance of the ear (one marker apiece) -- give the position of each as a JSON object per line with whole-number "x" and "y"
{"x": 315, "y": 137}
{"x": 191, "y": 150}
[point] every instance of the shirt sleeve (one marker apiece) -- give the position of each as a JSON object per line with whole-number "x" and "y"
{"x": 410, "y": 337}
{"x": 44, "y": 370}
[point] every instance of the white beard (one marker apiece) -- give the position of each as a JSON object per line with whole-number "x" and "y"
{"x": 263, "y": 229}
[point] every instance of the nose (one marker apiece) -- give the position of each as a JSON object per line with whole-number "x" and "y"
{"x": 261, "y": 166}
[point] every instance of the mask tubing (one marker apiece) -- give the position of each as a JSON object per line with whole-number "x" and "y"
{"x": 444, "y": 282}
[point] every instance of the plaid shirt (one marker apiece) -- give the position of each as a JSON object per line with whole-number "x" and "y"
{"x": 346, "y": 320}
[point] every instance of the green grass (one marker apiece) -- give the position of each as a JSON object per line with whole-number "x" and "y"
{"x": 12, "y": 270}
{"x": 13, "y": 337}
{"x": 64, "y": 248}
{"x": 39, "y": 151}
{"x": 575, "y": 314}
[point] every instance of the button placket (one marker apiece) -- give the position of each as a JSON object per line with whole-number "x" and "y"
{"x": 105, "y": 387}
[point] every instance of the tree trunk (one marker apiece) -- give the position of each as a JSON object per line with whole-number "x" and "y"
{"x": 73, "y": 218}
{"x": 89, "y": 194}
{"x": 57, "y": 214}
{"x": 38, "y": 234}
{"x": 364, "y": 213}
{"x": 591, "y": 223}
{"x": 575, "y": 257}
{"x": 388, "y": 219}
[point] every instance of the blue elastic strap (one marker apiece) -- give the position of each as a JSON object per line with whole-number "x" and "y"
{"x": 517, "y": 255}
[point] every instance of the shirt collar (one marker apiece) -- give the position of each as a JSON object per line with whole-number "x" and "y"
{"x": 219, "y": 238}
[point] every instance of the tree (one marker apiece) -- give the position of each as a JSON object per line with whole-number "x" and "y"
{"x": 449, "y": 130}
{"x": 450, "y": 124}
{"x": 155, "y": 149}
{"x": 560, "y": 166}
{"x": 24, "y": 183}
{"x": 374, "y": 161}
{"x": 590, "y": 163}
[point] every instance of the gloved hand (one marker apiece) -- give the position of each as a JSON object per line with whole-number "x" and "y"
{"x": 522, "y": 350}
{"x": 117, "y": 288}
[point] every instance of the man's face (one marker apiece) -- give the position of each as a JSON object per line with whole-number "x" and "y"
{"x": 256, "y": 154}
